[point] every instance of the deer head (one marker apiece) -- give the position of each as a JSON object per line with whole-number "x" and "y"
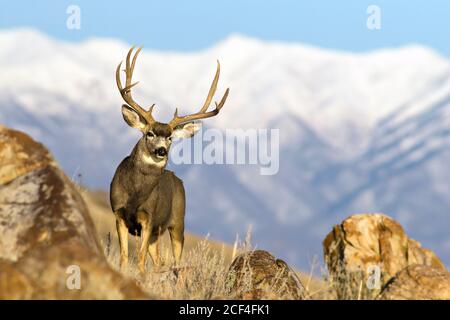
{"x": 156, "y": 135}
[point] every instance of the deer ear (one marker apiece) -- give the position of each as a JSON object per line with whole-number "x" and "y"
{"x": 132, "y": 118}
{"x": 186, "y": 130}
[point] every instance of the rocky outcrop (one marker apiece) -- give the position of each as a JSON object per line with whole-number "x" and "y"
{"x": 48, "y": 246}
{"x": 365, "y": 251}
{"x": 259, "y": 275}
{"x": 418, "y": 282}
{"x": 19, "y": 154}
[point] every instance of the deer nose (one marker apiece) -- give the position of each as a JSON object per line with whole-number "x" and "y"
{"x": 161, "y": 152}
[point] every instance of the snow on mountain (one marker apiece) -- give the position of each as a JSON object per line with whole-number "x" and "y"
{"x": 358, "y": 132}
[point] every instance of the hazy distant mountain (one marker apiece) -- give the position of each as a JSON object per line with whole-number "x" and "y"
{"x": 359, "y": 132}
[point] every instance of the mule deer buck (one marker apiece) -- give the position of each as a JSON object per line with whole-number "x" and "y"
{"x": 146, "y": 198}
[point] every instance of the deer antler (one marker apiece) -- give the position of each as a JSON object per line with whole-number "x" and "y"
{"x": 126, "y": 92}
{"x": 202, "y": 114}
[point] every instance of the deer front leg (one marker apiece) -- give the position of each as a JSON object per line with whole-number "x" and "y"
{"x": 122, "y": 233}
{"x": 177, "y": 240}
{"x": 153, "y": 250}
{"x": 146, "y": 231}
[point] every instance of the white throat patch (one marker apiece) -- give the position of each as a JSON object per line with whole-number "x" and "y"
{"x": 149, "y": 160}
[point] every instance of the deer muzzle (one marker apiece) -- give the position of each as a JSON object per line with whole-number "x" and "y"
{"x": 161, "y": 152}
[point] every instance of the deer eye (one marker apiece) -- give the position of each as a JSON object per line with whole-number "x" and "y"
{"x": 150, "y": 134}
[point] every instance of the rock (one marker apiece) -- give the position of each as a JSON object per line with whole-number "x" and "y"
{"x": 19, "y": 154}
{"x": 418, "y": 282}
{"x": 46, "y": 232}
{"x": 259, "y": 275}
{"x": 364, "y": 244}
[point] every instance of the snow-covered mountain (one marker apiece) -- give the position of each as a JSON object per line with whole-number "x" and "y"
{"x": 358, "y": 132}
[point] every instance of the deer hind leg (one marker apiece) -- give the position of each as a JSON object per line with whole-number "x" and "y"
{"x": 146, "y": 230}
{"x": 122, "y": 232}
{"x": 177, "y": 240}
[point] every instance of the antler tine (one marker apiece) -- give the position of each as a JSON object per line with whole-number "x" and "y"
{"x": 222, "y": 101}
{"x": 212, "y": 89}
{"x": 202, "y": 114}
{"x": 131, "y": 68}
{"x": 126, "y": 92}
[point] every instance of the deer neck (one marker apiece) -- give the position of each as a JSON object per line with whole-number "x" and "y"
{"x": 144, "y": 162}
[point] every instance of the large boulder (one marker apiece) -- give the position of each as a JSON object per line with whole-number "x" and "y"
{"x": 418, "y": 282}
{"x": 259, "y": 275}
{"x": 365, "y": 251}
{"x": 48, "y": 244}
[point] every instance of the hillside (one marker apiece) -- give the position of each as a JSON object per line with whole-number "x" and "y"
{"x": 104, "y": 222}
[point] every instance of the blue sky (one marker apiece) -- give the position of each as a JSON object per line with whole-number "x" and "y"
{"x": 187, "y": 25}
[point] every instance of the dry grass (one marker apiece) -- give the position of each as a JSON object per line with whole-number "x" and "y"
{"x": 205, "y": 263}
{"x": 345, "y": 285}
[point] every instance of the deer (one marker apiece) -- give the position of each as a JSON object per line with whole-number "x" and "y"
{"x": 146, "y": 198}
